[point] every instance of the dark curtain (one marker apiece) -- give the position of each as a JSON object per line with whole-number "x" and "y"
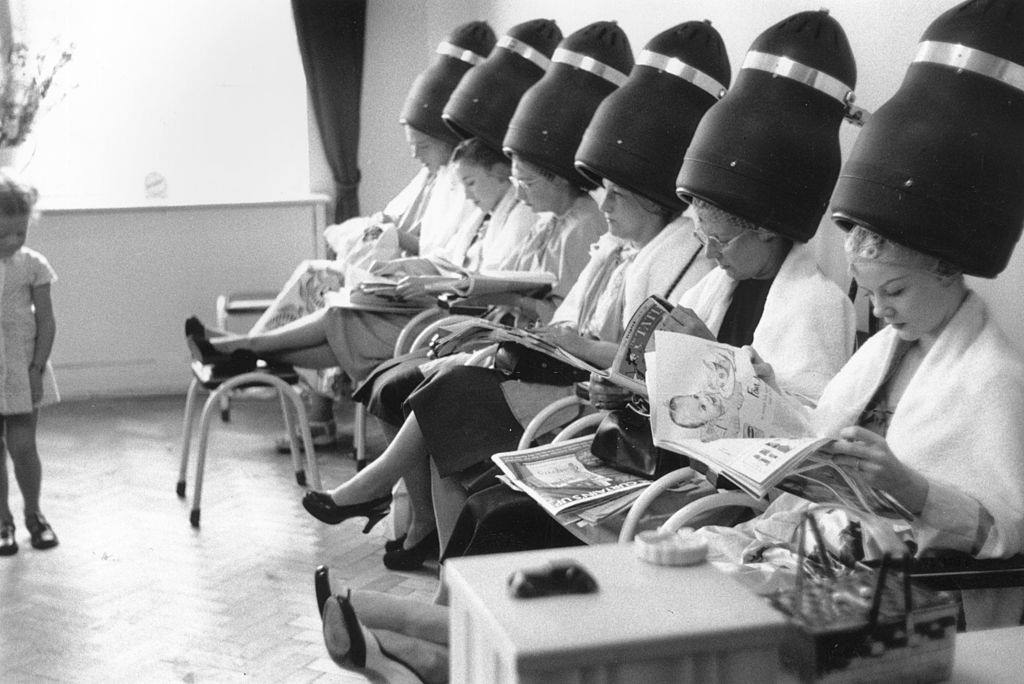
{"x": 330, "y": 34}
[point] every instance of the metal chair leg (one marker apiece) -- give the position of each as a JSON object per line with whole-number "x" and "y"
{"x": 359, "y": 435}
{"x": 221, "y": 307}
{"x": 186, "y": 435}
{"x": 289, "y": 429}
{"x": 204, "y": 434}
{"x": 312, "y": 467}
{"x": 288, "y": 395}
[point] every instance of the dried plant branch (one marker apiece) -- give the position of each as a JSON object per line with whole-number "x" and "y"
{"x": 26, "y": 79}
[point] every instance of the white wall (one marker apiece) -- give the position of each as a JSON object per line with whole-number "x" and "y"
{"x": 128, "y": 278}
{"x": 882, "y": 33}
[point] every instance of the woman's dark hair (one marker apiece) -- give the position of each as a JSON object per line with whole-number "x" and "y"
{"x": 477, "y": 152}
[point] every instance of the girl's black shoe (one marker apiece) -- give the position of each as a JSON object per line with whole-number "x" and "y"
{"x": 412, "y": 559}
{"x": 8, "y": 544}
{"x": 42, "y": 536}
{"x": 322, "y": 507}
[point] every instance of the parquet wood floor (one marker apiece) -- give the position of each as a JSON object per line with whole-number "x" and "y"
{"x": 134, "y": 593}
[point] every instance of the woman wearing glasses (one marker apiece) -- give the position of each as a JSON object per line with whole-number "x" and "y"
{"x": 768, "y": 292}
{"x": 559, "y": 243}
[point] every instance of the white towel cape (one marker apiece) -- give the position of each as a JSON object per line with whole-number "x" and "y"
{"x": 806, "y": 330}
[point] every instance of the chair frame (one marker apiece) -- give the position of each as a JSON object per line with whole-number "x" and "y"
{"x": 291, "y": 400}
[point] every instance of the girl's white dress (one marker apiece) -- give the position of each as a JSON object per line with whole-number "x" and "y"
{"x": 19, "y": 273}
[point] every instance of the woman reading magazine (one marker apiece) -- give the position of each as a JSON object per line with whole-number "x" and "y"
{"x": 929, "y": 409}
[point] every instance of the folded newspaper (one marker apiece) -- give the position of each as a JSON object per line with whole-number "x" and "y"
{"x": 565, "y": 477}
{"x": 707, "y": 403}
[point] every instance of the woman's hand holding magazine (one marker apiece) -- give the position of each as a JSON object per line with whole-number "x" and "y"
{"x": 688, "y": 322}
{"x": 762, "y": 368}
{"x": 867, "y": 453}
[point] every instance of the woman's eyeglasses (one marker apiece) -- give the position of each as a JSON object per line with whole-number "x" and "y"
{"x": 712, "y": 241}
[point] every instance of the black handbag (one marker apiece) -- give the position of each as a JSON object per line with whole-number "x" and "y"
{"x": 623, "y": 441}
{"x": 528, "y": 365}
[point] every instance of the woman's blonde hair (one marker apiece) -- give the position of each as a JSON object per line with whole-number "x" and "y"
{"x": 865, "y": 246}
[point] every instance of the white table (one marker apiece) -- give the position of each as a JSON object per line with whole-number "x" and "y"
{"x": 992, "y": 656}
{"x": 646, "y": 623}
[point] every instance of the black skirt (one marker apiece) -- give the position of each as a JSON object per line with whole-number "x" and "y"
{"x": 389, "y": 386}
{"x": 464, "y": 417}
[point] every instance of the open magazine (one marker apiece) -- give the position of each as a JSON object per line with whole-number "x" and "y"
{"x": 628, "y": 367}
{"x": 440, "y": 276}
{"x": 462, "y": 333}
{"x": 565, "y": 477}
{"x": 491, "y": 282}
{"x": 707, "y": 403}
{"x": 352, "y": 298}
{"x": 638, "y": 337}
{"x": 367, "y": 291}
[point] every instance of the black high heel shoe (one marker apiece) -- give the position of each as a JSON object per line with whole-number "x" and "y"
{"x": 322, "y": 585}
{"x": 194, "y": 328}
{"x": 199, "y": 343}
{"x": 322, "y": 507}
{"x": 353, "y": 647}
{"x": 413, "y": 558}
{"x": 203, "y": 351}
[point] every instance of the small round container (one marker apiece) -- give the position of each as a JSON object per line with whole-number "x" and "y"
{"x": 670, "y": 548}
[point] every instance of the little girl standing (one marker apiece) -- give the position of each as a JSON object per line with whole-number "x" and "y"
{"x": 27, "y": 329}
